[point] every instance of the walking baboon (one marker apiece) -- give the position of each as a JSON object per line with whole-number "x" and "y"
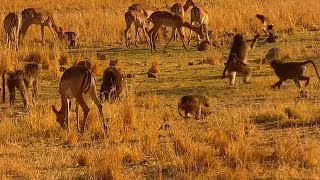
{"x": 192, "y": 104}
{"x": 111, "y": 87}
{"x": 239, "y": 55}
{"x": 291, "y": 70}
{"x": 22, "y": 80}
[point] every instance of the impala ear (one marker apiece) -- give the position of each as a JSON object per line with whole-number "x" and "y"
{"x": 54, "y": 109}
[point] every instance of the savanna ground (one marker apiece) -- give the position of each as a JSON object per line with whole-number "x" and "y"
{"x": 252, "y": 132}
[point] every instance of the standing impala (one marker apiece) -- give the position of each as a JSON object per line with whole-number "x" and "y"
{"x": 173, "y": 20}
{"x": 139, "y": 20}
{"x": 199, "y": 17}
{"x": 181, "y": 9}
{"x": 12, "y": 24}
{"x": 40, "y": 17}
{"x": 75, "y": 82}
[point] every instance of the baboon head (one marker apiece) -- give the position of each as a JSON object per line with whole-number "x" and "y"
{"x": 61, "y": 117}
{"x": 71, "y": 38}
{"x": 238, "y": 39}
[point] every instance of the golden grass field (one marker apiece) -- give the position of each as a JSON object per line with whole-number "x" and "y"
{"x": 251, "y": 132}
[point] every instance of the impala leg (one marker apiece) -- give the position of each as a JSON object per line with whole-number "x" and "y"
{"x": 126, "y": 35}
{"x": 172, "y": 36}
{"x": 77, "y": 116}
{"x": 181, "y": 34}
{"x": 85, "y": 109}
{"x": 42, "y": 34}
{"x": 95, "y": 99}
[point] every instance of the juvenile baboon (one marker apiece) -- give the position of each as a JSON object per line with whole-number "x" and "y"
{"x": 204, "y": 45}
{"x": 192, "y": 104}
{"x": 291, "y": 70}
{"x": 12, "y": 24}
{"x": 268, "y": 28}
{"x": 111, "y": 87}
{"x": 22, "y": 80}
{"x": 238, "y": 56}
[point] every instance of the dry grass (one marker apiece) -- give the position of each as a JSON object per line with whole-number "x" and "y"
{"x": 253, "y": 132}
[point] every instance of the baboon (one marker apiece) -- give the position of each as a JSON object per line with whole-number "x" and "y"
{"x": 12, "y": 24}
{"x": 291, "y": 70}
{"x": 70, "y": 38}
{"x": 204, "y": 45}
{"x": 111, "y": 87}
{"x": 268, "y": 28}
{"x": 22, "y": 80}
{"x": 238, "y": 56}
{"x": 192, "y": 104}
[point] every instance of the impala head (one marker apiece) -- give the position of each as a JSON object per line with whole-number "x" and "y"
{"x": 71, "y": 37}
{"x": 61, "y": 117}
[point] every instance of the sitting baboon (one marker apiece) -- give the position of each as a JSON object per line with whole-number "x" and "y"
{"x": 291, "y": 70}
{"x": 22, "y": 80}
{"x": 111, "y": 87}
{"x": 204, "y": 45}
{"x": 192, "y": 104}
{"x": 238, "y": 56}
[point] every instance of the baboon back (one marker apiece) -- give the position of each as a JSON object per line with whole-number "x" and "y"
{"x": 111, "y": 77}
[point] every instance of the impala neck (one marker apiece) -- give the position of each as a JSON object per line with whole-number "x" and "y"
{"x": 57, "y": 30}
{"x": 64, "y": 106}
{"x": 186, "y": 7}
{"x": 193, "y": 28}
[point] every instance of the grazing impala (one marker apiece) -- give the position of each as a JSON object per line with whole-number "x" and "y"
{"x": 75, "y": 82}
{"x": 38, "y": 17}
{"x": 181, "y": 9}
{"x": 139, "y": 20}
{"x": 199, "y": 17}
{"x": 12, "y": 24}
{"x": 144, "y": 9}
{"x": 169, "y": 19}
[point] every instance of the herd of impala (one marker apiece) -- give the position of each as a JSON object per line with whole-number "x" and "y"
{"x": 79, "y": 80}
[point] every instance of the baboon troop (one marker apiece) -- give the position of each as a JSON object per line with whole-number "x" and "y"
{"x": 237, "y": 60}
{"x": 79, "y": 79}
{"x": 21, "y": 80}
{"x": 192, "y": 104}
{"x": 291, "y": 70}
{"x": 111, "y": 87}
{"x": 75, "y": 82}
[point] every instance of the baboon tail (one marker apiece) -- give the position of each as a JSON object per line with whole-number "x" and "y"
{"x": 315, "y": 67}
{"x": 3, "y": 86}
{"x": 179, "y": 109}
